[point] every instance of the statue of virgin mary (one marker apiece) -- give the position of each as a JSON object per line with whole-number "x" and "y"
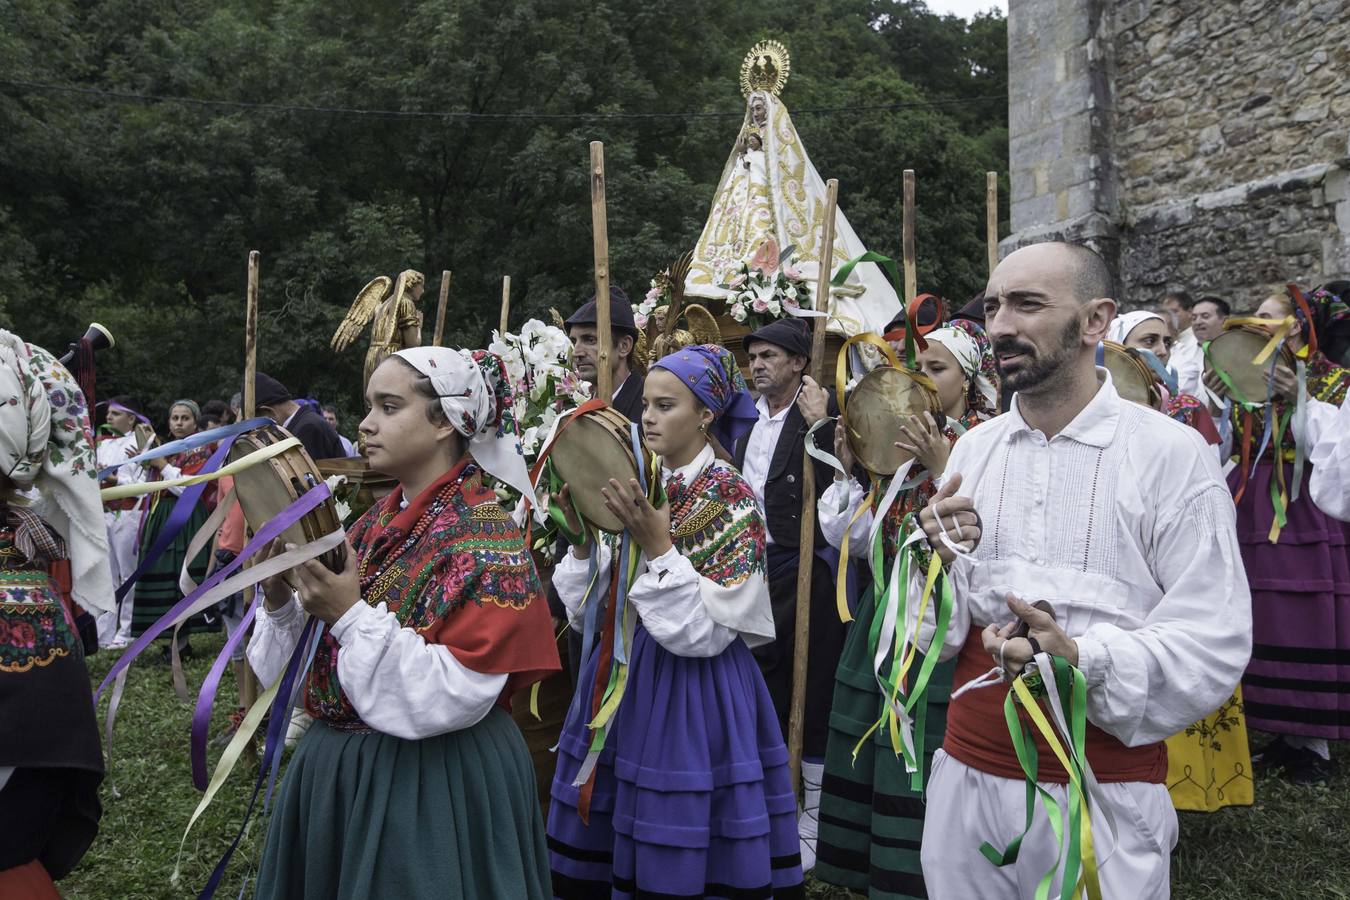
{"x": 770, "y": 190}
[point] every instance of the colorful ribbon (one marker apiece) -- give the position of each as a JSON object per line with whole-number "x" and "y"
{"x": 1069, "y": 703}
{"x": 191, "y": 442}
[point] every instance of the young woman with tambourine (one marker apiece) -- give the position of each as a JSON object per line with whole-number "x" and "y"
{"x": 414, "y": 781}
{"x": 682, "y": 788}
{"x": 960, "y": 366}
{"x": 1295, "y": 555}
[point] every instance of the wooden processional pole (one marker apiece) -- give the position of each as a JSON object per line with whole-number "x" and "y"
{"x": 440, "y": 310}
{"x": 506, "y": 303}
{"x": 991, "y": 217}
{"x": 797, "y": 714}
{"x": 248, "y": 691}
{"x": 907, "y": 240}
{"x": 604, "y": 381}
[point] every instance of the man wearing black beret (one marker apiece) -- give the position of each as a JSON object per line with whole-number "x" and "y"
{"x": 319, "y": 438}
{"x": 627, "y": 382}
{"x": 770, "y": 457}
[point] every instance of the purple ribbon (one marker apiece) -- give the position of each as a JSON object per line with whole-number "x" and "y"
{"x": 276, "y": 730}
{"x": 206, "y": 697}
{"x": 273, "y": 529}
{"x": 201, "y": 718}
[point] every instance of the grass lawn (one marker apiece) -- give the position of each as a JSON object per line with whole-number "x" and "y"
{"x": 1290, "y": 844}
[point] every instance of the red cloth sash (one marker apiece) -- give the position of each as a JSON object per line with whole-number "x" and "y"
{"x": 977, "y": 734}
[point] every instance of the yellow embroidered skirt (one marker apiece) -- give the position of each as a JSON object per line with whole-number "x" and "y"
{"x": 1209, "y": 765}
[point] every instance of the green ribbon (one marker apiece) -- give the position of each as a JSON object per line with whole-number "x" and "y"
{"x": 892, "y": 269}
{"x": 1071, "y": 686}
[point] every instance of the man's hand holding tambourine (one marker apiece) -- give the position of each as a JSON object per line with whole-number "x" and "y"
{"x": 956, "y": 515}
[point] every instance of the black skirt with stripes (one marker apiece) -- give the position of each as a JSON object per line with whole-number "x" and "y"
{"x": 871, "y": 821}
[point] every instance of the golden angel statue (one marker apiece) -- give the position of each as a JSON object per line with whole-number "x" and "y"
{"x": 770, "y": 193}
{"x": 397, "y": 321}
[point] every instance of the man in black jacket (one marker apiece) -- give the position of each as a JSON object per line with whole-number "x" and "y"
{"x": 627, "y": 382}
{"x": 319, "y": 438}
{"x": 770, "y": 457}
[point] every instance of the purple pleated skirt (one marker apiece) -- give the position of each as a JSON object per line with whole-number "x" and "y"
{"x": 1298, "y": 681}
{"x": 692, "y": 796}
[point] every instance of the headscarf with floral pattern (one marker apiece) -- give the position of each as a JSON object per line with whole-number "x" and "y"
{"x": 475, "y": 393}
{"x": 46, "y": 443}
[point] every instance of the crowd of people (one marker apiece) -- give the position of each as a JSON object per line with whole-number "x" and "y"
{"x": 1188, "y": 564}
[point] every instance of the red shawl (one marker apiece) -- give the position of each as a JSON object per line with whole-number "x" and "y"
{"x": 454, "y": 567}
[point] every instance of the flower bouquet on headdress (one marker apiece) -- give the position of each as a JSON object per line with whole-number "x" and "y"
{"x": 768, "y": 287}
{"x": 544, "y": 388}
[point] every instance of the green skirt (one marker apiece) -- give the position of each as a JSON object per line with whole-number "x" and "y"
{"x": 367, "y": 815}
{"x": 871, "y": 821}
{"x": 157, "y": 589}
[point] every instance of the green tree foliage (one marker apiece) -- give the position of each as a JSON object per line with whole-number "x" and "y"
{"x": 140, "y": 214}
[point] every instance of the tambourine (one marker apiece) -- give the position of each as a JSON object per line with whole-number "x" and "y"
{"x": 266, "y": 489}
{"x": 878, "y": 406}
{"x": 1235, "y": 351}
{"x": 1132, "y": 377}
{"x": 595, "y": 446}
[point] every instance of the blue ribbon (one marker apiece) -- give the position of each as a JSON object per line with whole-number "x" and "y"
{"x": 191, "y": 442}
{"x": 620, "y": 648}
{"x": 1164, "y": 374}
{"x": 1269, "y": 414}
{"x": 594, "y": 597}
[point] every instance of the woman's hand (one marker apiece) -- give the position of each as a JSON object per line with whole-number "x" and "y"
{"x": 278, "y": 589}
{"x": 648, "y": 525}
{"x": 324, "y": 594}
{"x": 574, "y": 523}
{"x": 1286, "y": 382}
{"x": 1215, "y": 384}
{"x": 843, "y": 452}
{"x": 926, "y": 441}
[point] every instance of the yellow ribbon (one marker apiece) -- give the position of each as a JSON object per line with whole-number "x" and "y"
{"x": 118, "y": 492}
{"x": 841, "y": 363}
{"x": 889, "y": 716}
{"x": 1037, "y": 716}
{"x": 1285, "y": 325}
{"x": 841, "y": 578}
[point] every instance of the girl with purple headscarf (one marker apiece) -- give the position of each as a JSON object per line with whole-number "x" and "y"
{"x": 690, "y": 795}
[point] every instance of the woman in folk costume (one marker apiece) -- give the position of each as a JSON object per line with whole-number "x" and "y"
{"x": 871, "y": 819}
{"x": 690, "y": 795}
{"x": 1209, "y": 764}
{"x": 157, "y": 588}
{"x": 50, "y": 760}
{"x": 414, "y": 781}
{"x": 1147, "y": 330}
{"x": 1299, "y": 571}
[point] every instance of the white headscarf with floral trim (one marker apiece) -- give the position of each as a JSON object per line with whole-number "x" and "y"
{"x": 475, "y": 394}
{"x": 46, "y": 443}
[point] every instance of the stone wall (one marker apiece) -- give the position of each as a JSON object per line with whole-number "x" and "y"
{"x": 1220, "y": 139}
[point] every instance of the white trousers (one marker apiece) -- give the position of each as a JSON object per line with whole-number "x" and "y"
{"x": 123, "y": 550}
{"x": 967, "y": 807}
